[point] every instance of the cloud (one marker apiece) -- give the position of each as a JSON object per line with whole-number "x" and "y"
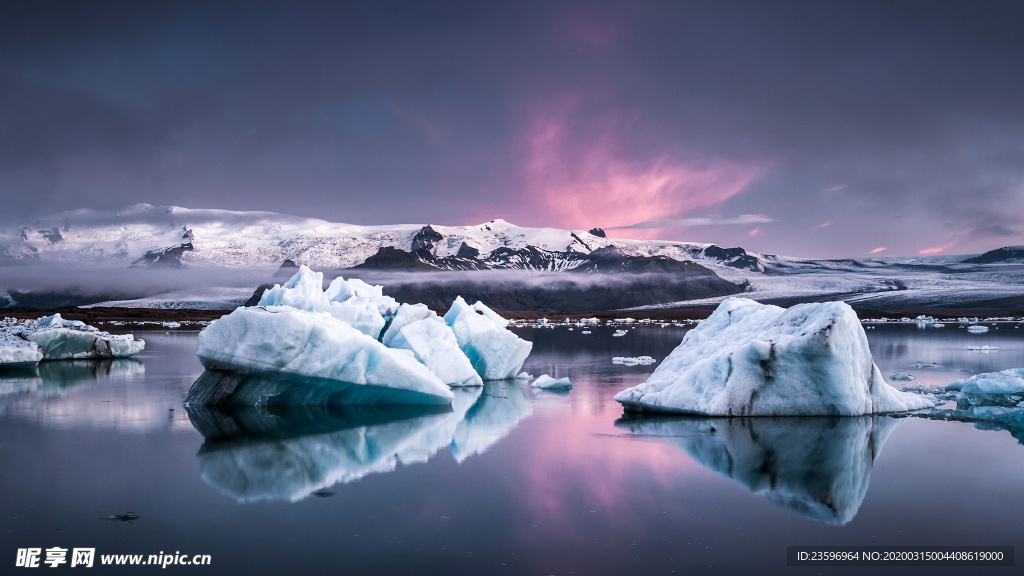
{"x": 588, "y": 164}
{"x": 879, "y": 249}
{"x": 688, "y": 222}
{"x": 754, "y": 232}
{"x": 936, "y": 249}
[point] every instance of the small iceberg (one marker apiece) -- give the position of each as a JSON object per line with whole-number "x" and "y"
{"x": 985, "y": 348}
{"x": 618, "y": 333}
{"x": 902, "y": 377}
{"x": 24, "y": 343}
{"x": 977, "y": 329}
{"x": 1006, "y": 382}
{"x": 992, "y": 401}
{"x": 751, "y": 359}
{"x": 633, "y": 360}
{"x": 545, "y": 382}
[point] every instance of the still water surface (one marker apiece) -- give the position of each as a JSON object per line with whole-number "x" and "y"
{"x": 510, "y": 481}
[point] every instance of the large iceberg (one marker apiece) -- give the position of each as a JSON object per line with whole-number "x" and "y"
{"x": 24, "y": 343}
{"x": 815, "y": 467}
{"x": 751, "y": 359}
{"x": 495, "y": 352}
{"x": 351, "y": 344}
{"x": 992, "y": 401}
{"x": 315, "y": 345}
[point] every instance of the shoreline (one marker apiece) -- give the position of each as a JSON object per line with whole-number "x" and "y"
{"x": 108, "y": 315}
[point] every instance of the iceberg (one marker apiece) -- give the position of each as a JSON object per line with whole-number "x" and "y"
{"x": 817, "y": 468}
{"x": 314, "y": 345}
{"x": 977, "y": 329}
{"x": 352, "y": 344}
{"x": 750, "y": 359}
{"x": 545, "y": 382}
{"x": 24, "y": 343}
{"x": 495, "y": 352}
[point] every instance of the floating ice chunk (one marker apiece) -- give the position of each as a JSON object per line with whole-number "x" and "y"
{"x": 902, "y": 377}
{"x": 286, "y": 340}
{"x": 985, "y": 348}
{"x": 494, "y": 352}
{"x": 633, "y": 360}
{"x": 523, "y": 376}
{"x": 546, "y": 382}
{"x": 584, "y": 331}
{"x": 22, "y": 341}
{"x": 620, "y": 333}
{"x": 1006, "y": 382}
{"x": 938, "y": 325}
{"x": 749, "y": 359}
{"x": 977, "y": 329}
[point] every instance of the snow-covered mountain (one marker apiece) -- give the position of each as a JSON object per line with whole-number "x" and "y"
{"x": 602, "y": 272}
{"x": 145, "y": 235}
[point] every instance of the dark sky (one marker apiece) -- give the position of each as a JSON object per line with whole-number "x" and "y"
{"x": 802, "y": 128}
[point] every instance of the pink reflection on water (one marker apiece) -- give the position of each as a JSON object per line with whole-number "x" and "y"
{"x": 585, "y": 463}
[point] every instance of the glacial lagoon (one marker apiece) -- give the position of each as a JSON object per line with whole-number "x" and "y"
{"x": 509, "y": 480}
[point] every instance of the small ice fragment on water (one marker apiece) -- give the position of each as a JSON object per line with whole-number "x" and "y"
{"x": 620, "y": 333}
{"x": 523, "y": 376}
{"x": 977, "y": 329}
{"x": 985, "y": 348}
{"x": 633, "y": 360}
{"x": 546, "y": 382}
{"x": 902, "y": 377}
{"x": 584, "y": 331}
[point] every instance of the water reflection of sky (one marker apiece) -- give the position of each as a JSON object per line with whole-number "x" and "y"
{"x": 549, "y": 484}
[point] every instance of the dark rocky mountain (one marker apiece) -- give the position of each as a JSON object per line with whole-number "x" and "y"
{"x": 1007, "y": 254}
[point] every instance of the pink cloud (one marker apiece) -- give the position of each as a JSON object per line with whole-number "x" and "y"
{"x": 879, "y": 249}
{"x": 580, "y": 173}
{"x": 936, "y": 249}
{"x": 836, "y": 188}
{"x": 824, "y": 224}
{"x": 754, "y": 232}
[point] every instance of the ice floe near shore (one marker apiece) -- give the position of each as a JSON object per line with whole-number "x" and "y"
{"x": 750, "y": 359}
{"x": 351, "y": 344}
{"x": 24, "y": 343}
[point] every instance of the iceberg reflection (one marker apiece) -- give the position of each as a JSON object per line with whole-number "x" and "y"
{"x": 816, "y": 467}
{"x": 290, "y": 452}
{"x": 59, "y": 376}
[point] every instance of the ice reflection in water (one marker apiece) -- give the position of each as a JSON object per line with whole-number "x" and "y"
{"x": 289, "y": 452}
{"x": 816, "y": 467}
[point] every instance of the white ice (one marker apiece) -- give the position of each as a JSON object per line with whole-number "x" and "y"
{"x": 633, "y": 360}
{"x": 495, "y": 352}
{"x": 545, "y": 382}
{"x": 750, "y": 359}
{"x": 26, "y": 342}
{"x": 286, "y": 340}
{"x": 1006, "y": 382}
{"x": 433, "y": 343}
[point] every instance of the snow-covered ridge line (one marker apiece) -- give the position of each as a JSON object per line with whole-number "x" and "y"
{"x": 145, "y": 235}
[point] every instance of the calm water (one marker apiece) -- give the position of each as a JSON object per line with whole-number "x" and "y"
{"x": 511, "y": 481}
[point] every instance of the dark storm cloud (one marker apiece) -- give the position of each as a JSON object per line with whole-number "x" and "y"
{"x": 899, "y": 122}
